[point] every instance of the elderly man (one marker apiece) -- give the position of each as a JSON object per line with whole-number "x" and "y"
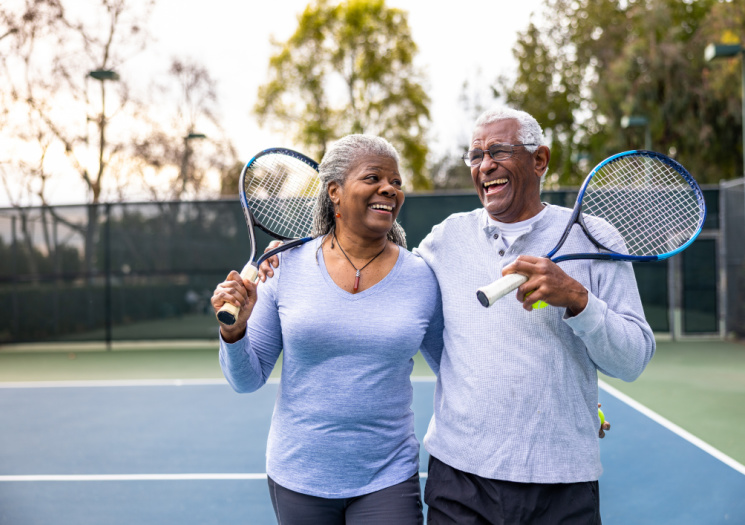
{"x": 513, "y": 438}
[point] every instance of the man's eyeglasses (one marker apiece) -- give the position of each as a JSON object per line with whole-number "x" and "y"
{"x": 497, "y": 152}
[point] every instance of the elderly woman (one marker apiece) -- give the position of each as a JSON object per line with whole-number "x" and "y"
{"x": 349, "y": 309}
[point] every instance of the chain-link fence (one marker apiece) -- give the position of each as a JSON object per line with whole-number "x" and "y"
{"x": 146, "y": 271}
{"x": 732, "y": 198}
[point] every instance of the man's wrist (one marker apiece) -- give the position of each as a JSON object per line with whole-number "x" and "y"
{"x": 578, "y": 306}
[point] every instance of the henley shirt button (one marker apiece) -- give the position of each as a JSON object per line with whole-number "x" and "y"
{"x": 501, "y": 252}
{"x": 496, "y": 236}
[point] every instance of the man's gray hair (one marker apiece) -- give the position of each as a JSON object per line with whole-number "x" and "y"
{"x": 529, "y": 132}
{"x": 340, "y": 158}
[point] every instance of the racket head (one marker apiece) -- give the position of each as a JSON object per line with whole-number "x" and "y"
{"x": 641, "y": 205}
{"x": 278, "y": 191}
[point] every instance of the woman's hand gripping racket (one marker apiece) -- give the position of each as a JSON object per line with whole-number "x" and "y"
{"x": 278, "y": 190}
{"x": 634, "y": 206}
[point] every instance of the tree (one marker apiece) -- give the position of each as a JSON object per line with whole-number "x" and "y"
{"x": 349, "y": 69}
{"x": 60, "y": 66}
{"x": 64, "y": 109}
{"x": 53, "y": 54}
{"x": 449, "y": 172}
{"x": 185, "y": 133}
{"x": 68, "y": 105}
{"x": 595, "y": 61}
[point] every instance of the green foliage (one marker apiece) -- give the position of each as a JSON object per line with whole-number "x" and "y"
{"x": 349, "y": 69}
{"x": 596, "y": 61}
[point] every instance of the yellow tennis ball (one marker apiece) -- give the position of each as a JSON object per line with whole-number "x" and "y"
{"x": 602, "y": 417}
{"x": 538, "y": 304}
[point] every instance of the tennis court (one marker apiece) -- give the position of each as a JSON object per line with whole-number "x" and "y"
{"x": 128, "y": 447}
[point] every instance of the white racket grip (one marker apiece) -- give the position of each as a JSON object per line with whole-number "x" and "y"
{"x": 228, "y": 313}
{"x": 250, "y": 273}
{"x": 488, "y": 295}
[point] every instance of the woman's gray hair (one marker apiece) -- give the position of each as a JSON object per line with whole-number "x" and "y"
{"x": 528, "y": 132}
{"x": 340, "y": 158}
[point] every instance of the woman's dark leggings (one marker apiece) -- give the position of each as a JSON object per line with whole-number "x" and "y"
{"x": 400, "y": 504}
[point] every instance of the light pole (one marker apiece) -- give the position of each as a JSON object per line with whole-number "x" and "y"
{"x": 638, "y": 121}
{"x": 715, "y": 51}
{"x": 186, "y": 155}
{"x": 102, "y": 75}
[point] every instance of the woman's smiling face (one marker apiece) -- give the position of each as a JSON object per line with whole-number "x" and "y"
{"x": 371, "y": 197}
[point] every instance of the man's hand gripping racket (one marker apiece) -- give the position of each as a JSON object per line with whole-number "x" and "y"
{"x": 278, "y": 191}
{"x": 634, "y": 206}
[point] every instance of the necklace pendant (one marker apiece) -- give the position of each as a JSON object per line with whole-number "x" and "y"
{"x": 357, "y": 275}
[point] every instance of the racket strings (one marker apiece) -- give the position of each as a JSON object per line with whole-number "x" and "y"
{"x": 648, "y": 202}
{"x": 281, "y": 192}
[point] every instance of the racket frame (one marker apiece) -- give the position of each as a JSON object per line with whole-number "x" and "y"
{"x": 228, "y": 312}
{"x": 489, "y": 294}
{"x": 578, "y": 218}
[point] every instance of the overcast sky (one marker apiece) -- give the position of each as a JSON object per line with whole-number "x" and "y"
{"x": 231, "y": 38}
{"x": 467, "y": 39}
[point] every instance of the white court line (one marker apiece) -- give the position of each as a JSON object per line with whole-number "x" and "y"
{"x": 142, "y": 477}
{"x": 112, "y": 382}
{"x": 133, "y": 477}
{"x": 672, "y": 427}
{"x": 147, "y": 382}
{"x": 423, "y": 379}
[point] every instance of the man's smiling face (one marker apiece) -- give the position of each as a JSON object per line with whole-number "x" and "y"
{"x": 509, "y": 190}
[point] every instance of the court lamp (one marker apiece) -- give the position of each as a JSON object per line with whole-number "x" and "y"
{"x": 104, "y": 74}
{"x": 185, "y": 158}
{"x": 716, "y": 51}
{"x": 639, "y": 121}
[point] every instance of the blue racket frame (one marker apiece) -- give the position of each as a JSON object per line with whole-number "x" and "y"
{"x": 577, "y": 217}
{"x": 251, "y": 221}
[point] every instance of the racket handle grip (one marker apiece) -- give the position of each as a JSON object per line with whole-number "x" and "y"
{"x": 488, "y": 295}
{"x": 250, "y": 273}
{"x": 228, "y": 313}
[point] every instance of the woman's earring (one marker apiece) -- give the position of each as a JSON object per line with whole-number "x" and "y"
{"x": 338, "y": 215}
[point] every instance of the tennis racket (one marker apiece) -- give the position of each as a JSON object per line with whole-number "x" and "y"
{"x": 634, "y": 206}
{"x": 278, "y": 190}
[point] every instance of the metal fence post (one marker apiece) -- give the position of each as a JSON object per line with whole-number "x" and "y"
{"x": 107, "y": 278}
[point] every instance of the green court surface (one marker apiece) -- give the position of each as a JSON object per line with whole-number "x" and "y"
{"x": 699, "y": 386}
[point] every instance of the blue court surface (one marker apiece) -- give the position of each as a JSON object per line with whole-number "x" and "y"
{"x": 192, "y": 452}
